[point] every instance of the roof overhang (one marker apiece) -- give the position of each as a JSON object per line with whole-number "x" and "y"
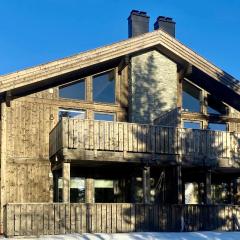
{"x": 53, "y": 73}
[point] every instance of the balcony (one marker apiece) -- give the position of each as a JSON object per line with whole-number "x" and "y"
{"x": 100, "y": 141}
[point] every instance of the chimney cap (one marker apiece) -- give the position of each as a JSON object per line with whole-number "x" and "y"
{"x": 161, "y": 18}
{"x": 165, "y": 19}
{"x": 138, "y": 13}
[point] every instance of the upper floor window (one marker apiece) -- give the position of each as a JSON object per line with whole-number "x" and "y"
{"x": 75, "y": 90}
{"x": 104, "y": 116}
{"x": 218, "y": 126}
{"x": 104, "y": 87}
{"x": 71, "y": 113}
{"x": 191, "y": 97}
{"x": 192, "y": 124}
{"x": 215, "y": 106}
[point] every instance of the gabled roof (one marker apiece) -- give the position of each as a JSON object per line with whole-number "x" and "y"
{"x": 43, "y": 72}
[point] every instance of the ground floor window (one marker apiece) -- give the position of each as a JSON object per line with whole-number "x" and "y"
{"x": 220, "y": 193}
{"x": 191, "y": 193}
{"x": 138, "y": 190}
{"x": 155, "y": 190}
{"x": 104, "y": 190}
{"x": 77, "y": 190}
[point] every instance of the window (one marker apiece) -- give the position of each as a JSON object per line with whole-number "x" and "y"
{"x": 71, "y": 113}
{"x": 191, "y": 97}
{"x": 104, "y": 190}
{"x": 192, "y": 124}
{"x": 104, "y": 116}
{"x": 217, "y": 126}
{"x": 191, "y": 193}
{"x": 77, "y": 190}
{"x": 219, "y": 193}
{"x": 104, "y": 87}
{"x": 74, "y": 90}
{"x": 215, "y": 106}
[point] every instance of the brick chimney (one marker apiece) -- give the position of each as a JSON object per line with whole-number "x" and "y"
{"x": 138, "y": 23}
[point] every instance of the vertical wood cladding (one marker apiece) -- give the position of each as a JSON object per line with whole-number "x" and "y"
{"x": 28, "y": 127}
{"x": 234, "y": 126}
{"x": 3, "y": 155}
{"x": 28, "y": 167}
{"x": 28, "y": 182}
{"x": 153, "y": 86}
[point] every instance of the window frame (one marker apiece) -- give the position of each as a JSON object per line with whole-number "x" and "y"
{"x": 193, "y": 121}
{"x": 105, "y": 113}
{"x": 200, "y": 96}
{"x": 221, "y": 103}
{"x": 204, "y": 116}
{"x": 116, "y": 85}
{"x": 59, "y": 189}
{"x": 219, "y": 123}
{"x": 72, "y": 83}
{"x": 71, "y": 110}
{"x": 88, "y": 105}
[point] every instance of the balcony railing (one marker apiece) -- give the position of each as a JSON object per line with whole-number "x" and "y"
{"x": 29, "y": 219}
{"x": 152, "y": 140}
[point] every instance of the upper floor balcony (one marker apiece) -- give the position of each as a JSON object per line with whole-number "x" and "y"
{"x": 75, "y": 139}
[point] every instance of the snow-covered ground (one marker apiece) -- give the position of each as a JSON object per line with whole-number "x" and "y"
{"x": 147, "y": 236}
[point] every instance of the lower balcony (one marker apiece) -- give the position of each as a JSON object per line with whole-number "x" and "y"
{"x": 99, "y": 141}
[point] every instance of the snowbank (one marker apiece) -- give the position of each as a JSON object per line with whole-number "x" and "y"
{"x": 147, "y": 236}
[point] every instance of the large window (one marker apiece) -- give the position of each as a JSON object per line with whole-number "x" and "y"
{"x": 104, "y": 87}
{"x": 215, "y": 106}
{"x": 75, "y": 90}
{"x": 104, "y": 116}
{"x": 191, "y": 97}
{"x": 71, "y": 113}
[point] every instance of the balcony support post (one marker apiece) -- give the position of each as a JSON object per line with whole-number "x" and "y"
{"x": 55, "y": 187}
{"x": 207, "y": 187}
{"x": 66, "y": 182}
{"x": 146, "y": 185}
{"x": 174, "y": 186}
{"x": 89, "y": 190}
{"x": 133, "y": 189}
{"x": 179, "y": 190}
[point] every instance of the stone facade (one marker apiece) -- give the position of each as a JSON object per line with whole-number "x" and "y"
{"x": 153, "y": 86}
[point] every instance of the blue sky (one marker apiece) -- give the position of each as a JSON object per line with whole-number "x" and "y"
{"x": 37, "y": 31}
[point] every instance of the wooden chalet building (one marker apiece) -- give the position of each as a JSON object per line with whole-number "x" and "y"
{"x": 140, "y": 135}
